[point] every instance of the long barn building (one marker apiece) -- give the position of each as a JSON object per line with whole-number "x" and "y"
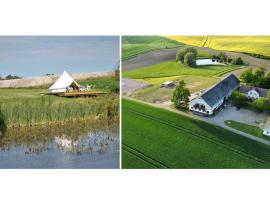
{"x": 210, "y": 100}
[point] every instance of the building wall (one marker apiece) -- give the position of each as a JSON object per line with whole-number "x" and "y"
{"x": 253, "y": 94}
{"x": 200, "y": 101}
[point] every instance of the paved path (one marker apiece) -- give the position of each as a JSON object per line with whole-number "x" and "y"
{"x": 205, "y": 119}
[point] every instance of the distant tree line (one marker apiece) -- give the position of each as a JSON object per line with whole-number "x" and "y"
{"x": 9, "y": 77}
{"x": 259, "y": 78}
{"x": 223, "y": 58}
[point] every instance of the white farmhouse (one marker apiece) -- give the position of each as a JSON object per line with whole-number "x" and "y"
{"x": 252, "y": 92}
{"x": 64, "y": 83}
{"x": 210, "y": 100}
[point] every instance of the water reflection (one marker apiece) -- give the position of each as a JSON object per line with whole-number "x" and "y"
{"x": 84, "y": 145}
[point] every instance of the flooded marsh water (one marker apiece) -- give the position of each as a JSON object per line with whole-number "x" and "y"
{"x": 75, "y": 145}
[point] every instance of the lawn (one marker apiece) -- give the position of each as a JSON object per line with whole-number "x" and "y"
{"x": 28, "y": 107}
{"x": 172, "y": 68}
{"x": 250, "y": 129}
{"x": 164, "y": 139}
{"x": 248, "y": 44}
{"x": 135, "y": 45}
{"x": 155, "y": 92}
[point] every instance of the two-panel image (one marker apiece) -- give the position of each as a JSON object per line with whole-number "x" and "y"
{"x": 186, "y": 102}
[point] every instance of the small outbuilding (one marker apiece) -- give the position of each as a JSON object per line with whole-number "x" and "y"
{"x": 252, "y": 92}
{"x": 65, "y": 83}
{"x": 168, "y": 84}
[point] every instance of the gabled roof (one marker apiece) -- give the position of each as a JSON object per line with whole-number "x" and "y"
{"x": 220, "y": 90}
{"x": 246, "y": 88}
{"x": 65, "y": 80}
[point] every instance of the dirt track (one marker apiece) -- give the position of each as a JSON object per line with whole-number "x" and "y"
{"x": 150, "y": 58}
{"x": 45, "y": 80}
{"x": 163, "y": 55}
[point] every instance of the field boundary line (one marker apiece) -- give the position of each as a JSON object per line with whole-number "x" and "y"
{"x": 144, "y": 157}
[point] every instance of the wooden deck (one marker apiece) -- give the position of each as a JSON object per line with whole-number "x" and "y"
{"x": 80, "y": 94}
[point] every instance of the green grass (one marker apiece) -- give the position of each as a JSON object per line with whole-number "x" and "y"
{"x": 247, "y": 44}
{"x": 109, "y": 84}
{"x": 135, "y": 45}
{"x": 165, "y": 139}
{"x": 154, "y": 92}
{"x": 250, "y": 129}
{"x": 172, "y": 68}
{"x": 27, "y": 107}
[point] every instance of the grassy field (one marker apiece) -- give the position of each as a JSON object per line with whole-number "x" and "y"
{"x": 109, "y": 84}
{"x": 27, "y": 107}
{"x": 156, "y": 138}
{"x": 248, "y": 44}
{"x": 155, "y": 92}
{"x": 250, "y": 129}
{"x": 196, "y": 78}
{"x": 135, "y": 45}
{"x": 172, "y": 68}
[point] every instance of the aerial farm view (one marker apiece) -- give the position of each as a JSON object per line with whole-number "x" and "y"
{"x": 195, "y": 102}
{"x": 54, "y": 108}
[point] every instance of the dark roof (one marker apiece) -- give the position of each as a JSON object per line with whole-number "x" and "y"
{"x": 246, "y": 88}
{"x": 220, "y": 90}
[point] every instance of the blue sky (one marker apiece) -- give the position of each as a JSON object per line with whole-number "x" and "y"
{"x": 38, "y": 55}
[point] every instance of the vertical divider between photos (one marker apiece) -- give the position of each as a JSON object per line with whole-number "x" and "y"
{"x": 120, "y": 102}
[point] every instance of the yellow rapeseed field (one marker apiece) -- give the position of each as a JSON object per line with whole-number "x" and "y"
{"x": 249, "y": 44}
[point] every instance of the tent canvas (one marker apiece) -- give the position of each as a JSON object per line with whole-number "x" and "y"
{"x": 64, "y": 82}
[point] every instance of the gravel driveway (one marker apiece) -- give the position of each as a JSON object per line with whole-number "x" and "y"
{"x": 242, "y": 115}
{"x": 130, "y": 85}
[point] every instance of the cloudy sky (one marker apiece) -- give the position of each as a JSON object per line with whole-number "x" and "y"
{"x": 38, "y": 55}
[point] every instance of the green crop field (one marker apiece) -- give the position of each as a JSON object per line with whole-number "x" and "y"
{"x": 157, "y": 138}
{"x": 172, "y": 68}
{"x": 135, "y": 45}
{"x": 247, "y": 44}
{"x": 28, "y": 107}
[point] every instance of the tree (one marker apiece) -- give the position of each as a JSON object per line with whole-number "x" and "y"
{"x": 259, "y": 77}
{"x": 190, "y": 59}
{"x": 247, "y": 76}
{"x": 238, "y": 61}
{"x": 193, "y": 50}
{"x": 239, "y": 100}
{"x": 261, "y": 104}
{"x": 180, "y": 55}
{"x": 181, "y": 95}
{"x": 222, "y": 57}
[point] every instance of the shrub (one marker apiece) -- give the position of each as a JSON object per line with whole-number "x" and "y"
{"x": 190, "y": 59}
{"x": 239, "y": 100}
{"x": 222, "y": 57}
{"x": 237, "y": 61}
{"x": 261, "y": 104}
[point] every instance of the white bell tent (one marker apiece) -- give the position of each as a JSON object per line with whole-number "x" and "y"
{"x": 64, "y": 83}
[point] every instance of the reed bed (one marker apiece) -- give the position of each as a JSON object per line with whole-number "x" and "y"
{"x": 52, "y": 110}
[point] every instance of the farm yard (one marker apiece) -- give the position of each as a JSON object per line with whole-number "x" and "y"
{"x": 183, "y": 142}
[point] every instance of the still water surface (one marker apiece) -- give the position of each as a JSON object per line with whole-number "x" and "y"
{"x": 87, "y": 145}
